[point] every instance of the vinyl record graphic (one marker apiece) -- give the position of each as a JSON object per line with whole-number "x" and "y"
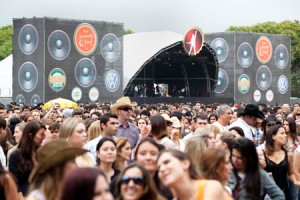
{"x": 35, "y": 99}
{"x": 263, "y": 77}
{"x": 28, "y": 39}
{"x": 85, "y": 72}
{"x": 245, "y": 54}
{"x": 110, "y": 47}
{"x": 20, "y": 99}
{"x": 222, "y": 83}
{"x": 281, "y": 56}
{"x": 220, "y": 46}
{"x": 28, "y": 76}
{"x": 59, "y": 45}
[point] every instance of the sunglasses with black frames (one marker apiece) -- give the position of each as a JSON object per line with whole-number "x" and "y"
{"x": 125, "y": 108}
{"x": 138, "y": 180}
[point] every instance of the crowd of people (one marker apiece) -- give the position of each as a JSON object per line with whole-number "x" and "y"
{"x": 126, "y": 151}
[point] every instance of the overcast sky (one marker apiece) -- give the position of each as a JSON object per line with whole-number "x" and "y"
{"x": 157, "y": 15}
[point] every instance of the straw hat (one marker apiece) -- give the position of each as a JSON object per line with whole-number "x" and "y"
{"x": 166, "y": 117}
{"x": 52, "y": 154}
{"x": 122, "y": 102}
{"x": 175, "y": 122}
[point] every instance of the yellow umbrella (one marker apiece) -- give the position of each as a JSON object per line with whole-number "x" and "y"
{"x": 63, "y": 103}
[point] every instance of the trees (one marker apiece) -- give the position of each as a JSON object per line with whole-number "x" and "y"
{"x": 291, "y": 28}
{"x": 6, "y": 34}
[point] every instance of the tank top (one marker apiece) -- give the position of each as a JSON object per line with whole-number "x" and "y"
{"x": 201, "y": 191}
{"x": 279, "y": 172}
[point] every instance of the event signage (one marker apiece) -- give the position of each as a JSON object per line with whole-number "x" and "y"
{"x": 193, "y": 41}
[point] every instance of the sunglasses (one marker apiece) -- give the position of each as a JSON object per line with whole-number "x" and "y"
{"x": 125, "y": 108}
{"x": 138, "y": 180}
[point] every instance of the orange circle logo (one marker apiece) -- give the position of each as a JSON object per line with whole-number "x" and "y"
{"x": 264, "y": 49}
{"x": 85, "y": 39}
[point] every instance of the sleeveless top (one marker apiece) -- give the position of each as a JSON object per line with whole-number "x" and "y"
{"x": 200, "y": 193}
{"x": 279, "y": 172}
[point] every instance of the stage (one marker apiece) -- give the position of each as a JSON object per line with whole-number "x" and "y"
{"x": 172, "y": 100}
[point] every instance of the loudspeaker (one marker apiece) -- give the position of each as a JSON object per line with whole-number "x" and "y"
{"x": 28, "y": 60}
{"x": 75, "y": 59}
{"x": 254, "y": 68}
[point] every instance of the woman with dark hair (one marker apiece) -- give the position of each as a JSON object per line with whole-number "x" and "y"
{"x": 107, "y": 155}
{"x": 289, "y": 125}
{"x": 159, "y": 131}
{"x": 86, "y": 183}
{"x": 22, "y": 161}
{"x": 17, "y": 135}
{"x": 278, "y": 160}
{"x": 246, "y": 172}
{"x": 135, "y": 183}
{"x": 177, "y": 172}
{"x": 8, "y": 188}
{"x": 212, "y": 117}
{"x": 237, "y": 131}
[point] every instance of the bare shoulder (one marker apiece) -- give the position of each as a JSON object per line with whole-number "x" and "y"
{"x": 213, "y": 190}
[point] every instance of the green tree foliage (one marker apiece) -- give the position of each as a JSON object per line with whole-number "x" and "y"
{"x": 6, "y": 34}
{"x": 291, "y": 28}
{"x": 127, "y": 31}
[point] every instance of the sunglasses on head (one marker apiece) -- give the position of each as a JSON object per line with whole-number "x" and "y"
{"x": 138, "y": 180}
{"x": 270, "y": 124}
{"x": 125, "y": 108}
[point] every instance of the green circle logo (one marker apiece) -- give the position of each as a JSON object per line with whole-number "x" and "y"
{"x": 57, "y": 79}
{"x": 244, "y": 83}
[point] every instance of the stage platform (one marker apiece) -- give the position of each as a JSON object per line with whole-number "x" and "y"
{"x": 172, "y": 100}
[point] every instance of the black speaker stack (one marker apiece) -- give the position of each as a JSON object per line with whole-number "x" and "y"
{"x": 254, "y": 68}
{"x": 79, "y": 60}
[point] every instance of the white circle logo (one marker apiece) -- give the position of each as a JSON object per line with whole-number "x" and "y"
{"x": 282, "y": 84}
{"x": 269, "y": 95}
{"x": 257, "y": 95}
{"x": 93, "y": 94}
{"x": 112, "y": 80}
{"x": 76, "y": 94}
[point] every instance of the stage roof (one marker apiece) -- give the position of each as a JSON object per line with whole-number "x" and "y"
{"x": 159, "y": 58}
{"x": 139, "y": 47}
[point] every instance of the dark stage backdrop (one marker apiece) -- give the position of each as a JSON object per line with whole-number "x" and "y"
{"x": 75, "y": 59}
{"x": 253, "y": 68}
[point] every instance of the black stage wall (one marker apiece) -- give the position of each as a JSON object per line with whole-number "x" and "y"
{"x": 253, "y": 68}
{"x": 172, "y": 100}
{"x": 75, "y": 59}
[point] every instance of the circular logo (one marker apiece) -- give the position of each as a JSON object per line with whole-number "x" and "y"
{"x": 57, "y": 79}
{"x": 112, "y": 80}
{"x": 263, "y": 49}
{"x": 85, "y": 39}
{"x": 193, "y": 41}
{"x": 282, "y": 84}
{"x": 244, "y": 83}
{"x": 93, "y": 94}
{"x": 256, "y": 95}
{"x": 269, "y": 95}
{"x": 76, "y": 94}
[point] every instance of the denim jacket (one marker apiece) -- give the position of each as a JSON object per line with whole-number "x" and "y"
{"x": 268, "y": 186}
